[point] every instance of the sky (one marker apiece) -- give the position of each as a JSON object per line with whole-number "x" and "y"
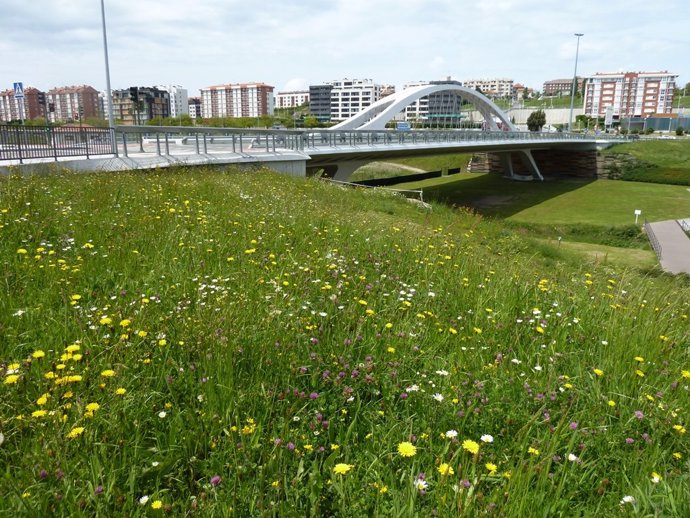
{"x": 291, "y": 44}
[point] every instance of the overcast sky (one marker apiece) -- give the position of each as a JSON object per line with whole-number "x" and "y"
{"x": 293, "y": 43}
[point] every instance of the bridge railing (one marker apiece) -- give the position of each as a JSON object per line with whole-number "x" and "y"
{"x": 20, "y": 143}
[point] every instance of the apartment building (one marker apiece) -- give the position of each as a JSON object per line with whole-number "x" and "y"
{"x": 441, "y": 108}
{"x": 138, "y": 105}
{"x": 629, "y": 94}
{"x": 179, "y": 103}
{"x": 292, "y": 99}
{"x": 194, "y": 107}
{"x": 493, "y": 88}
{"x": 320, "y": 101}
{"x": 561, "y": 86}
{"x": 350, "y": 96}
{"x": 68, "y": 103}
{"x": 13, "y": 109}
{"x": 237, "y": 100}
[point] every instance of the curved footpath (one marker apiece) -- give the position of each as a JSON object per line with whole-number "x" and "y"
{"x": 674, "y": 253}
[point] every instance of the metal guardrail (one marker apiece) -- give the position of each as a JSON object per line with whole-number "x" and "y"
{"x": 652, "y": 238}
{"x": 27, "y": 142}
{"x": 684, "y": 225}
{"x": 23, "y": 142}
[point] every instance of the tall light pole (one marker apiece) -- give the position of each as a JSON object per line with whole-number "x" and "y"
{"x": 109, "y": 95}
{"x": 572, "y": 88}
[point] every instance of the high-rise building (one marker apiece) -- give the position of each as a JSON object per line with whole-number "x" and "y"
{"x": 137, "y": 105}
{"x": 179, "y": 104}
{"x": 440, "y": 108}
{"x": 350, "y": 96}
{"x": 237, "y": 100}
{"x": 629, "y": 94}
{"x": 13, "y": 109}
{"x": 292, "y": 99}
{"x": 69, "y": 103}
{"x": 194, "y": 107}
{"x": 493, "y": 88}
{"x": 320, "y": 101}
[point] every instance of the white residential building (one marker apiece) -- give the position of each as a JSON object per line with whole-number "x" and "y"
{"x": 178, "y": 99}
{"x": 350, "y": 96}
{"x": 629, "y": 94}
{"x": 292, "y": 99}
{"x": 494, "y": 88}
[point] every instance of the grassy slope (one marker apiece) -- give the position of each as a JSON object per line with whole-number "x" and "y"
{"x": 601, "y": 202}
{"x": 271, "y": 331}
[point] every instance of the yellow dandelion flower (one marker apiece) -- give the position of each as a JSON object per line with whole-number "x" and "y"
{"x": 656, "y": 478}
{"x": 108, "y": 373}
{"x": 540, "y": 329}
{"x": 407, "y": 449}
{"x": 445, "y": 469}
{"x": 38, "y": 413}
{"x": 342, "y": 469}
{"x": 72, "y": 348}
{"x": 42, "y": 400}
{"x": 11, "y": 379}
{"x": 105, "y": 321}
{"x": 679, "y": 428}
{"x": 75, "y": 432}
{"x": 470, "y": 446}
{"x": 156, "y": 504}
{"x": 532, "y": 451}
{"x": 120, "y": 391}
{"x": 275, "y": 483}
{"x": 639, "y": 359}
{"x": 125, "y": 322}
{"x": 685, "y": 374}
{"x": 22, "y": 251}
{"x": 491, "y": 468}
{"x": 677, "y": 455}
{"x": 639, "y": 373}
{"x": 598, "y": 372}
{"x": 391, "y": 349}
{"x": 37, "y": 354}
{"x": 611, "y": 403}
{"x": 92, "y": 407}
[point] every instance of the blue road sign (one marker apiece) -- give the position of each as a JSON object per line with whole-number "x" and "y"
{"x": 19, "y": 90}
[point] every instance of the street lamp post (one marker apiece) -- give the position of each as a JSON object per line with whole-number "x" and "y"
{"x": 108, "y": 92}
{"x": 572, "y": 88}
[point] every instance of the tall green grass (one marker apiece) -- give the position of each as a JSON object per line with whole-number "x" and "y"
{"x": 225, "y": 343}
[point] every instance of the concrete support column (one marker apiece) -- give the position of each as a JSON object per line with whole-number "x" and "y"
{"x": 345, "y": 169}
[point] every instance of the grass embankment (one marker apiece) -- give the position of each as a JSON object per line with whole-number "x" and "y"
{"x": 407, "y": 166}
{"x": 211, "y": 343}
{"x": 657, "y": 161}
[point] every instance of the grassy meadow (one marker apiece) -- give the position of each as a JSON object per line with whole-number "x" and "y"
{"x": 199, "y": 342}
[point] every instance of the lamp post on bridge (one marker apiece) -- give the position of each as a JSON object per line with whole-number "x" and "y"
{"x": 572, "y": 88}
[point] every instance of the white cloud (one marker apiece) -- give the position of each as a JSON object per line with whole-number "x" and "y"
{"x": 300, "y": 42}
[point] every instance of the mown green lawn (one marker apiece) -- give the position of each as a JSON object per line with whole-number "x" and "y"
{"x": 599, "y": 202}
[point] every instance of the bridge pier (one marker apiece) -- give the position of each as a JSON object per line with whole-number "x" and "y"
{"x": 506, "y": 160}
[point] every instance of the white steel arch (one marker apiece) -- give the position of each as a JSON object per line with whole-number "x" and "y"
{"x": 378, "y": 114}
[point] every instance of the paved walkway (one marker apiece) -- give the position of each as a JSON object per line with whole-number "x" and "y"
{"x": 674, "y": 250}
